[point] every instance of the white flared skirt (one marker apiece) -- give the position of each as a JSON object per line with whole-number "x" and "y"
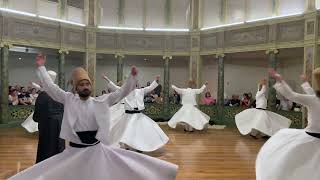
{"x": 139, "y": 132}
{"x": 264, "y": 121}
{"x": 190, "y": 115}
{"x": 99, "y": 162}
{"x": 290, "y": 154}
{"x": 30, "y": 125}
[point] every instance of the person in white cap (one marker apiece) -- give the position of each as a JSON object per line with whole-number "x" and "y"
{"x": 85, "y": 125}
{"x": 259, "y": 121}
{"x": 48, "y": 114}
{"x": 293, "y": 154}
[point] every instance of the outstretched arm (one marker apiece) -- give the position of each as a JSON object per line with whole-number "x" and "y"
{"x": 178, "y": 90}
{"x": 111, "y": 86}
{"x": 36, "y": 86}
{"x": 152, "y": 86}
{"x": 199, "y": 91}
{"x": 262, "y": 92}
{"x": 306, "y": 86}
{"x": 283, "y": 88}
{"x": 121, "y": 93}
{"x": 48, "y": 85}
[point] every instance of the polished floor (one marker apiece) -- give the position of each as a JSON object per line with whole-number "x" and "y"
{"x": 213, "y": 154}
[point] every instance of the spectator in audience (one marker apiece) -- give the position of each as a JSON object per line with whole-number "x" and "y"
{"x": 13, "y": 97}
{"x": 245, "y": 101}
{"x": 158, "y": 89}
{"x": 33, "y": 96}
{"x": 208, "y": 100}
{"x": 175, "y": 98}
{"x": 158, "y": 99}
{"x": 150, "y": 97}
{"x": 18, "y": 88}
{"x": 235, "y": 101}
{"x": 24, "y": 97}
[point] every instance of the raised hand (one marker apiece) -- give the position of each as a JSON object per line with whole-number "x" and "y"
{"x": 134, "y": 71}
{"x": 264, "y": 81}
{"x": 41, "y": 59}
{"x": 303, "y": 78}
{"x": 104, "y": 76}
{"x": 275, "y": 75}
{"x": 158, "y": 78}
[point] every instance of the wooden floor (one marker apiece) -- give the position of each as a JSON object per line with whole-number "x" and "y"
{"x": 207, "y": 155}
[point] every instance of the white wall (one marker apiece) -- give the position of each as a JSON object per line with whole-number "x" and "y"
{"x": 108, "y": 65}
{"x": 22, "y": 71}
{"x": 148, "y": 70}
{"x": 291, "y": 71}
{"x": 243, "y": 75}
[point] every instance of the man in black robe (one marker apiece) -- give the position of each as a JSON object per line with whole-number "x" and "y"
{"x": 48, "y": 113}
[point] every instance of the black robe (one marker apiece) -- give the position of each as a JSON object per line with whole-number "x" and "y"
{"x": 48, "y": 113}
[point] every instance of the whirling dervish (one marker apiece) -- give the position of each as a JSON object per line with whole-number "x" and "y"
{"x": 86, "y": 126}
{"x": 134, "y": 129}
{"x": 189, "y": 115}
{"x": 259, "y": 121}
{"x": 293, "y": 154}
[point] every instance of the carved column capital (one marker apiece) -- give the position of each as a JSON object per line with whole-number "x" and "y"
{"x": 167, "y": 57}
{"x": 119, "y": 55}
{"x": 220, "y": 55}
{"x": 272, "y": 50}
{"x": 3, "y": 44}
{"x": 63, "y": 51}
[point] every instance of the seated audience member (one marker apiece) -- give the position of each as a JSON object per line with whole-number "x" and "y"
{"x": 175, "y": 98}
{"x": 245, "y": 101}
{"x": 149, "y": 98}
{"x": 235, "y": 101}
{"x": 33, "y": 96}
{"x": 13, "y": 97}
{"x": 208, "y": 100}
{"x": 158, "y": 99}
{"x": 24, "y": 97}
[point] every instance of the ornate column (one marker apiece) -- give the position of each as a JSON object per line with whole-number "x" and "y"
{"x": 61, "y": 69}
{"x": 63, "y": 9}
{"x": 166, "y": 104}
{"x": 119, "y": 58}
{"x": 90, "y": 54}
{"x": 273, "y": 61}
{"x": 220, "y": 99}
{"x": 4, "y": 72}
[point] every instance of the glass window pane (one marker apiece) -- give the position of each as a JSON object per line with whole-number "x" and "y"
{"x": 25, "y": 6}
{"x": 235, "y": 11}
{"x": 133, "y": 13}
{"x": 109, "y": 13}
{"x": 211, "y": 13}
{"x": 155, "y": 14}
{"x": 180, "y": 13}
{"x": 287, "y": 7}
{"x": 48, "y": 9}
{"x": 75, "y": 14}
{"x": 255, "y": 6}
